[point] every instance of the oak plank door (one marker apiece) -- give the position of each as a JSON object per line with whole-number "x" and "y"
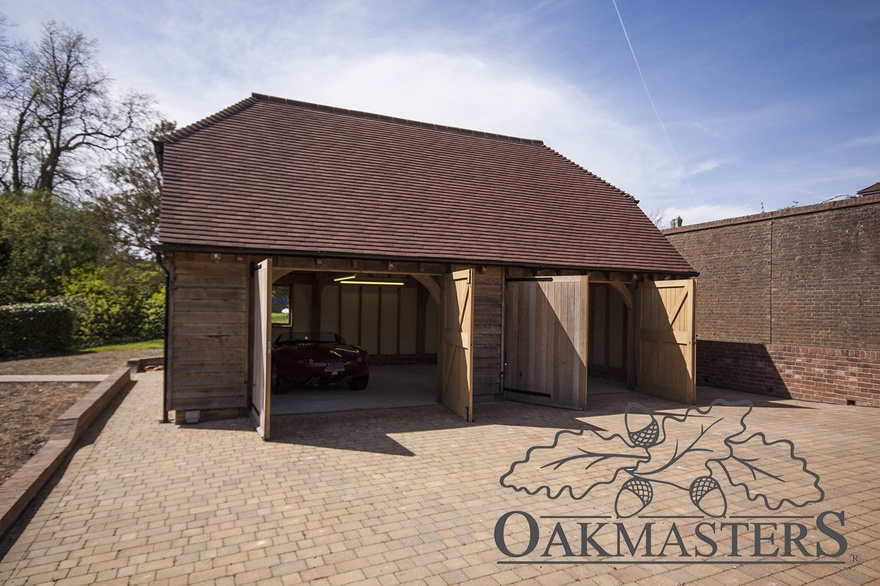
{"x": 546, "y": 341}
{"x": 262, "y": 356}
{"x": 457, "y": 384}
{"x": 667, "y": 340}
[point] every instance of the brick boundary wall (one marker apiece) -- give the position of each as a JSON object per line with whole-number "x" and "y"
{"x": 826, "y": 375}
{"x": 788, "y": 302}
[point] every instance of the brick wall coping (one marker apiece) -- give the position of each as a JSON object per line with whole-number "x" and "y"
{"x": 136, "y": 365}
{"x": 20, "y": 488}
{"x": 783, "y": 213}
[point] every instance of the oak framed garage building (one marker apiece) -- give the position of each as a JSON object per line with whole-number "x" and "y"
{"x": 513, "y": 269}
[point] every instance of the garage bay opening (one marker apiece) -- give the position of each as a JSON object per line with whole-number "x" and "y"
{"x": 352, "y": 340}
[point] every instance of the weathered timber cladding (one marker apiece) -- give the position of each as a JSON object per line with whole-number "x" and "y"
{"x": 546, "y": 341}
{"x": 489, "y": 292}
{"x": 789, "y": 301}
{"x": 208, "y": 368}
{"x": 667, "y": 355}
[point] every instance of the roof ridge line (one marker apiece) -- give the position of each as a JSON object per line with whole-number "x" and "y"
{"x": 190, "y": 129}
{"x": 395, "y": 120}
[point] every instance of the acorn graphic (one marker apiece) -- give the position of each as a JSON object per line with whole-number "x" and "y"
{"x": 707, "y": 495}
{"x": 633, "y": 496}
{"x": 641, "y": 426}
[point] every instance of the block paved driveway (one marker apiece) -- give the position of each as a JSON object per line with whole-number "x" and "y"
{"x": 413, "y": 496}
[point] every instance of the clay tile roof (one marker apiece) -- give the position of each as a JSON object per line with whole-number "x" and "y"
{"x": 285, "y": 177}
{"x": 870, "y": 190}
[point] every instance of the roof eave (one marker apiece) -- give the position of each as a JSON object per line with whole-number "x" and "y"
{"x": 199, "y": 248}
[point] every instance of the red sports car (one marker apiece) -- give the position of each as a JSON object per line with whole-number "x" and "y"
{"x": 312, "y": 360}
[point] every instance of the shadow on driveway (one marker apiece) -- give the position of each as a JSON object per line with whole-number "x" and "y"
{"x": 372, "y": 430}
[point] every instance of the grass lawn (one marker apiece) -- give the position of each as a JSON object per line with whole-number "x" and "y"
{"x": 101, "y": 360}
{"x": 147, "y": 345}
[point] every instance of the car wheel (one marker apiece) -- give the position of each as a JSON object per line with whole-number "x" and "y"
{"x": 359, "y": 383}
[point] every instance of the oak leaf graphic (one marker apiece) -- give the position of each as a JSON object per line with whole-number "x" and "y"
{"x": 576, "y": 463}
{"x": 770, "y": 471}
{"x": 684, "y": 451}
{"x": 691, "y": 441}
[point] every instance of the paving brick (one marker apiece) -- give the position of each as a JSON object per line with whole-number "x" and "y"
{"x": 332, "y": 502}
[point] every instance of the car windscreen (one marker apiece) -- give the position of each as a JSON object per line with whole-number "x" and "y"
{"x": 310, "y": 338}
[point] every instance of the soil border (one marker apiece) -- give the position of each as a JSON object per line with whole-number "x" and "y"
{"x": 21, "y": 488}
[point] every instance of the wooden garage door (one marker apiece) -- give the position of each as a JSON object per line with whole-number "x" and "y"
{"x": 667, "y": 343}
{"x": 457, "y": 385}
{"x": 262, "y": 358}
{"x": 545, "y": 337}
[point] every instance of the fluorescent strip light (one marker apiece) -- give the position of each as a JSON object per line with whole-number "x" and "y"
{"x": 391, "y": 283}
{"x": 348, "y": 278}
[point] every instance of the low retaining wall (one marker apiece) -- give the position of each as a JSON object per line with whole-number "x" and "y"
{"x": 20, "y": 488}
{"x": 826, "y": 375}
{"x": 136, "y": 365}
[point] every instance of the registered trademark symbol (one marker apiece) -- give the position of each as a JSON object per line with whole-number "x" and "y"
{"x": 855, "y": 558}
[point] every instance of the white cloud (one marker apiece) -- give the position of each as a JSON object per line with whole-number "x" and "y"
{"x": 198, "y": 58}
{"x": 498, "y": 67}
{"x": 709, "y": 165}
{"x": 862, "y": 141}
{"x": 475, "y": 92}
{"x": 463, "y": 89}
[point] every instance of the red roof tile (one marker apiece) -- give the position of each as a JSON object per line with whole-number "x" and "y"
{"x": 870, "y": 190}
{"x": 280, "y": 176}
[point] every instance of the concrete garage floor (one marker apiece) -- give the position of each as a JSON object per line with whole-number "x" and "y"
{"x": 399, "y": 385}
{"x": 599, "y": 385}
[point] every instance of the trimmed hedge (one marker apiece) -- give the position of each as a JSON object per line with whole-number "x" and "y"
{"x": 34, "y": 329}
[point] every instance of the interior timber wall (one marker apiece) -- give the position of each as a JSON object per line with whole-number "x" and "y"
{"x": 392, "y": 323}
{"x": 608, "y": 332}
{"x": 789, "y": 301}
{"x": 208, "y": 361}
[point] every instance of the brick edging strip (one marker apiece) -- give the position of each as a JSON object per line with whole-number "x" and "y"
{"x": 20, "y": 488}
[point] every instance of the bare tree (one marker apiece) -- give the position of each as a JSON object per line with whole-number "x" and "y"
{"x": 658, "y": 216}
{"x": 16, "y": 106}
{"x": 59, "y": 115}
{"x": 128, "y": 208}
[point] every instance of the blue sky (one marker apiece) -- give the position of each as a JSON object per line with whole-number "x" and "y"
{"x": 761, "y": 104}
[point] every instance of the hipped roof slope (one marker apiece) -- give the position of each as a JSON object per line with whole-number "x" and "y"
{"x": 287, "y": 177}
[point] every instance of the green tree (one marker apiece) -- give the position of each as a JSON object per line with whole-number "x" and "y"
{"x": 42, "y": 239}
{"x": 79, "y": 186}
